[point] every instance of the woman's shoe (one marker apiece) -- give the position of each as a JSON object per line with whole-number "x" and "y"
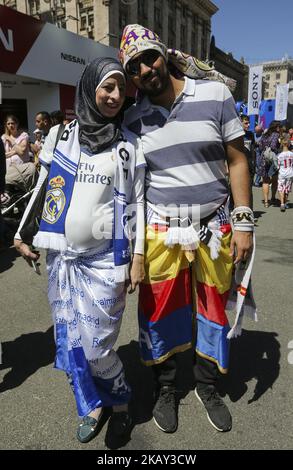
{"x": 282, "y": 207}
{"x": 120, "y": 423}
{"x": 266, "y": 204}
{"x": 88, "y": 428}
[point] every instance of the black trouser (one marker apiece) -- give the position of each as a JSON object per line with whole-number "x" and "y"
{"x": 204, "y": 371}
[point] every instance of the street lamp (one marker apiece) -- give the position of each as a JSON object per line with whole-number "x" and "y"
{"x": 110, "y": 35}
{"x": 70, "y": 17}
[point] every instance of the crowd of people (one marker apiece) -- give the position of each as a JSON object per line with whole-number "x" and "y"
{"x": 21, "y": 157}
{"x": 142, "y": 199}
{"x": 269, "y": 155}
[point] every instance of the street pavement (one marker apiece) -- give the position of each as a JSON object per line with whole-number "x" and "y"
{"x": 37, "y": 406}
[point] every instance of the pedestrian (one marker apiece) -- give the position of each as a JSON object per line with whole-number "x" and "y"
{"x": 37, "y": 146}
{"x": 188, "y": 128}
{"x": 249, "y": 150}
{"x": 20, "y": 172}
{"x": 95, "y": 174}
{"x": 258, "y": 131}
{"x": 285, "y": 175}
{"x": 43, "y": 123}
{"x": 269, "y": 147}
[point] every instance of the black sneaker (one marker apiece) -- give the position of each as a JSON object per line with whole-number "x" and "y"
{"x": 164, "y": 412}
{"x": 217, "y": 412}
{"x": 120, "y": 423}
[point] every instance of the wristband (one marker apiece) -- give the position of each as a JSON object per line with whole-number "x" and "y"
{"x": 242, "y": 219}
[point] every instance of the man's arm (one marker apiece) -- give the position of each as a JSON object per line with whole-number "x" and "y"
{"x": 239, "y": 172}
{"x": 241, "y": 243}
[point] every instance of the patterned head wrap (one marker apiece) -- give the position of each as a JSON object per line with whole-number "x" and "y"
{"x": 137, "y": 38}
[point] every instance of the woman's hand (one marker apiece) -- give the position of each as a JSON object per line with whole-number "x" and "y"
{"x": 26, "y": 252}
{"x": 137, "y": 272}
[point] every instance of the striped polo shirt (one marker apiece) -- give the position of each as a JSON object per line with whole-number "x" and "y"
{"x": 184, "y": 147}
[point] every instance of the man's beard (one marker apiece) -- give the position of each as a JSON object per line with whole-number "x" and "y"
{"x": 154, "y": 89}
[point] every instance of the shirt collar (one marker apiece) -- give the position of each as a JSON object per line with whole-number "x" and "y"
{"x": 188, "y": 89}
{"x": 189, "y": 86}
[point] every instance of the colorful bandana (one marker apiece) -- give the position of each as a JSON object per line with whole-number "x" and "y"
{"x": 136, "y": 39}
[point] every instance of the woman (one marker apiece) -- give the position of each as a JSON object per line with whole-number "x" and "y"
{"x": 21, "y": 173}
{"x": 94, "y": 176}
{"x": 16, "y": 143}
{"x": 267, "y": 169}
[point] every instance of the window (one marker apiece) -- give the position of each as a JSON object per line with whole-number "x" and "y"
{"x": 204, "y": 41}
{"x": 194, "y": 23}
{"x": 183, "y": 37}
{"x": 142, "y": 10}
{"x": 158, "y": 17}
{"x": 172, "y": 6}
{"x": 87, "y": 21}
{"x": 123, "y": 16}
{"x": 171, "y": 31}
{"x": 34, "y": 7}
{"x": 278, "y": 76}
{"x": 91, "y": 21}
{"x": 83, "y": 22}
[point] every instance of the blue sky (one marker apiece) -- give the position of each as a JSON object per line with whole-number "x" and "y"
{"x": 258, "y": 30}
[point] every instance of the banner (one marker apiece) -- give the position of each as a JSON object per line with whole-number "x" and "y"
{"x": 254, "y": 89}
{"x": 281, "y": 102}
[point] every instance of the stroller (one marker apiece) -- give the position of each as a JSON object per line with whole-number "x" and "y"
{"x": 13, "y": 207}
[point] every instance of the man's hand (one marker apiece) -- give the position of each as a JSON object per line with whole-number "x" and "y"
{"x": 137, "y": 272}
{"x": 26, "y": 252}
{"x": 241, "y": 245}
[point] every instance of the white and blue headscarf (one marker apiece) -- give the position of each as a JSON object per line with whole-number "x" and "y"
{"x": 93, "y": 131}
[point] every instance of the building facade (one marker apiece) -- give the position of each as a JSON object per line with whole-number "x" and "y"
{"x": 228, "y": 65}
{"x": 182, "y": 24}
{"x": 276, "y": 73}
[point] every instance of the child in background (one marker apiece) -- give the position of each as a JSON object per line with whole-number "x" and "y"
{"x": 38, "y": 145}
{"x": 285, "y": 177}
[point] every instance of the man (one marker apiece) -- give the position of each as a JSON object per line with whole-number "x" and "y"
{"x": 43, "y": 122}
{"x": 187, "y": 127}
{"x": 258, "y": 132}
{"x": 249, "y": 149}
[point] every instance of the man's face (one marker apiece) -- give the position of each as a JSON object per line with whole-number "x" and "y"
{"x": 148, "y": 72}
{"x": 40, "y": 122}
{"x": 245, "y": 124}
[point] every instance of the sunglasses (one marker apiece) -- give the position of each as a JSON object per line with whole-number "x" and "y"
{"x": 148, "y": 58}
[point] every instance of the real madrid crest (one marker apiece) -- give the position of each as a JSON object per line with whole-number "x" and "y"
{"x": 55, "y": 200}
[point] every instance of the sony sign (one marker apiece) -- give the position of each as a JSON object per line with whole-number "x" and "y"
{"x": 254, "y": 89}
{"x": 7, "y": 40}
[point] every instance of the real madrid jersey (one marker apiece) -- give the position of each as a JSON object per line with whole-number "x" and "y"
{"x": 89, "y": 220}
{"x": 91, "y": 211}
